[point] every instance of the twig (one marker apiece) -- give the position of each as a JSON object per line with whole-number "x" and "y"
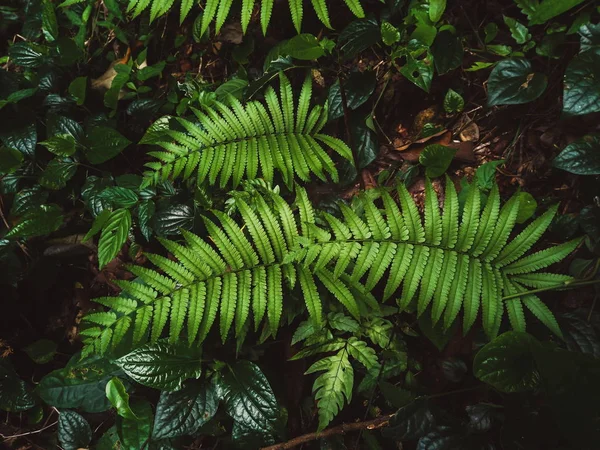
{"x": 28, "y": 433}
{"x": 340, "y": 429}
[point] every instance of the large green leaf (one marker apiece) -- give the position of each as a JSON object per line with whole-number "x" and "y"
{"x": 22, "y": 137}
{"x": 57, "y": 173}
{"x": 183, "y": 412}
{"x": 582, "y": 84}
{"x": 10, "y": 160}
{"x": 436, "y": 159}
{"x": 114, "y": 234}
{"x": 513, "y": 82}
{"x": 358, "y": 36}
{"x": 60, "y": 144}
{"x": 104, "y": 143}
{"x": 73, "y": 431}
{"x": 447, "y": 51}
{"x": 161, "y": 366}
{"x": 419, "y": 64}
{"x": 117, "y": 395}
{"x": 304, "y": 47}
{"x": 539, "y": 13}
{"x": 507, "y": 363}
{"x": 49, "y": 22}
{"x": 134, "y": 434}
{"x": 80, "y": 385}
{"x": 581, "y": 157}
{"x": 14, "y": 393}
{"x": 358, "y": 88}
{"x": 411, "y": 421}
{"x": 590, "y": 36}
{"x": 518, "y": 31}
{"x": 171, "y": 220}
{"x": 250, "y": 402}
{"x": 39, "y": 221}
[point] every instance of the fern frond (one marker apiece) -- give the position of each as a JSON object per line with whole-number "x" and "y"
{"x": 239, "y": 142}
{"x": 242, "y": 269}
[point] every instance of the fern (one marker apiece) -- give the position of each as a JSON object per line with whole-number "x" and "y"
{"x": 239, "y": 272}
{"x": 245, "y": 141}
{"x": 218, "y": 10}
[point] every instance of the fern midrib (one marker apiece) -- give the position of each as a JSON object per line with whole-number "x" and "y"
{"x": 280, "y": 263}
{"x": 247, "y": 138}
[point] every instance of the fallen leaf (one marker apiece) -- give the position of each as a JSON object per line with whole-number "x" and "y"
{"x": 470, "y": 133}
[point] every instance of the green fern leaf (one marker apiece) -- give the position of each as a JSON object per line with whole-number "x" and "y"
{"x": 113, "y": 236}
{"x": 296, "y": 11}
{"x": 266, "y": 8}
{"x": 320, "y": 7}
{"x": 355, "y": 7}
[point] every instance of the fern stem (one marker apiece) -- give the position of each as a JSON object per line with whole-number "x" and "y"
{"x": 568, "y": 284}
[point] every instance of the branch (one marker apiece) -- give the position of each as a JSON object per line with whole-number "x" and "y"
{"x": 340, "y": 429}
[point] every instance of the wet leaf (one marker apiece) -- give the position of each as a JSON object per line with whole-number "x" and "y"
{"x": 513, "y": 82}
{"x": 582, "y": 157}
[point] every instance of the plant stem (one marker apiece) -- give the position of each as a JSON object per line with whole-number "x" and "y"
{"x": 568, "y": 284}
{"x": 340, "y": 429}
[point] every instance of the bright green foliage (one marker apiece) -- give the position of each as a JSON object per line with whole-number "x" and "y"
{"x": 218, "y": 11}
{"x": 240, "y": 142}
{"x": 443, "y": 264}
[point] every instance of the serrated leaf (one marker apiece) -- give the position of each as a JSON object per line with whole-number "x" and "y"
{"x": 114, "y": 234}
{"x": 38, "y": 222}
{"x": 15, "y": 395}
{"x": 183, "y": 412}
{"x": 73, "y": 431}
{"x": 250, "y": 402}
{"x": 581, "y": 93}
{"x": 60, "y": 144}
{"x": 507, "y": 363}
{"x": 161, "y": 366}
{"x": 581, "y": 157}
{"x": 57, "y": 173}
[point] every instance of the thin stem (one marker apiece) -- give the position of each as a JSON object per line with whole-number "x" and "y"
{"x": 568, "y": 284}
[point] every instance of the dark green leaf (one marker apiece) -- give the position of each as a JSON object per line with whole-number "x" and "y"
{"x": 38, "y": 222}
{"x": 145, "y": 213}
{"x": 518, "y": 31}
{"x": 63, "y": 125}
{"x": 582, "y": 157}
{"x": 590, "y": 36}
{"x": 507, "y": 363}
{"x": 10, "y": 160}
{"x": 513, "y": 82}
{"x": 109, "y": 440}
{"x": 57, "y": 173}
{"x": 304, "y": 47}
{"x": 480, "y": 417}
{"x": 28, "y": 54}
{"x": 453, "y": 102}
{"x": 552, "y": 46}
{"x": 250, "y": 402}
{"x": 358, "y": 36}
{"x": 135, "y": 433}
{"x": 539, "y": 13}
{"x": 364, "y": 141}
{"x": 119, "y": 197}
{"x": 397, "y": 396}
{"x": 424, "y": 33}
{"x": 161, "y": 366}
{"x": 168, "y": 221}
{"x": 183, "y": 412}
{"x": 22, "y": 138}
{"x": 151, "y": 71}
{"x": 582, "y": 84}
{"x": 73, "y": 431}
{"x": 77, "y": 89}
{"x": 14, "y": 394}
{"x": 436, "y": 159}
{"x": 580, "y": 334}
{"x": 28, "y": 198}
{"x": 447, "y": 51}
{"x": 49, "y": 23}
{"x": 233, "y": 87}
{"x": 411, "y": 421}
{"x": 491, "y": 31}
{"x": 41, "y": 351}
{"x": 104, "y": 143}
{"x": 81, "y": 385}
{"x": 60, "y": 144}
{"x": 358, "y": 88}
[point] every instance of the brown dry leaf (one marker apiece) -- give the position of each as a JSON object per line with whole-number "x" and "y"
{"x": 470, "y": 133}
{"x": 104, "y": 81}
{"x": 403, "y": 144}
